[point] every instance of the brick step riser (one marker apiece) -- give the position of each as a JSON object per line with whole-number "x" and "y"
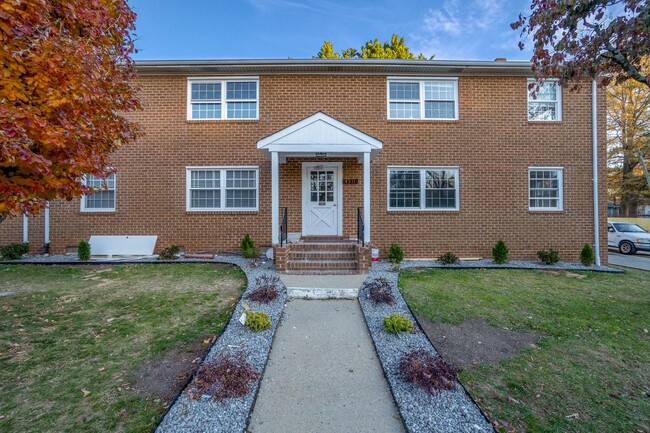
{"x": 322, "y": 247}
{"x": 323, "y": 266}
{"x": 324, "y": 255}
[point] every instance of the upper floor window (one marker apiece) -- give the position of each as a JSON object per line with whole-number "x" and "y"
{"x": 222, "y": 188}
{"x": 222, "y": 98}
{"x": 102, "y": 200}
{"x": 426, "y": 188}
{"x": 423, "y": 99}
{"x": 545, "y": 188}
{"x": 546, "y": 105}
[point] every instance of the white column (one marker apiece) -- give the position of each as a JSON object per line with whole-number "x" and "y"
{"x": 25, "y": 229}
{"x": 275, "y": 198}
{"x": 366, "y": 197}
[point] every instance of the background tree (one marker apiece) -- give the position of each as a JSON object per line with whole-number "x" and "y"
{"x": 577, "y": 39}
{"x": 395, "y": 49}
{"x": 628, "y": 126}
{"x": 66, "y": 71}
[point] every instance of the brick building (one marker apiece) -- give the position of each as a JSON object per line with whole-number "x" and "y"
{"x": 434, "y": 155}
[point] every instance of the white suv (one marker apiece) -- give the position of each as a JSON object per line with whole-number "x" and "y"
{"x": 627, "y": 237}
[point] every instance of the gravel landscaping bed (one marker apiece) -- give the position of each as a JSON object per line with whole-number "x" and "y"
{"x": 230, "y": 415}
{"x": 446, "y": 411}
{"x": 512, "y": 264}
{"x": 39, "y": 259}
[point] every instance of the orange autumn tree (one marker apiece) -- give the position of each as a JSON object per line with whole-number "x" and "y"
{"x": 65, "y": 83}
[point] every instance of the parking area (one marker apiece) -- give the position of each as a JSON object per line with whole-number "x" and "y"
{"x": 640, "y": 260}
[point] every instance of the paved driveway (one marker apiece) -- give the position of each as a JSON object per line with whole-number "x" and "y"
{"x": 640, "y": 260}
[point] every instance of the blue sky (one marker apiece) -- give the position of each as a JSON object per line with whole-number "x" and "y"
{"x": 277, "y": 29}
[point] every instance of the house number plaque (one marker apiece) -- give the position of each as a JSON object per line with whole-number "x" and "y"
{"x": 350, "y": 181}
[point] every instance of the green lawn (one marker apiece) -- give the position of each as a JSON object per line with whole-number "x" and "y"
{"x": 72, "y": 338}
{"x": 591, "y": 371}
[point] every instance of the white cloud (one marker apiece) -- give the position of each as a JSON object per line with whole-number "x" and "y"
{"x": 469, "y": 29}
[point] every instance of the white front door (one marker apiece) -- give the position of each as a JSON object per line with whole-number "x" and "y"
{"x": 321, "y": 199}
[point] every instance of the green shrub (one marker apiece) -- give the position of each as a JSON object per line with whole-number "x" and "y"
{"x": 587, "y": 255}
{"x": 248, "y": 248}
{"x": 14, "y": 251}
{"x": 257, "y": 321}
{"x": 500, "y": 253}
{"x": 448, "y": 258}
{"x": 549, "y": 257}
{"x": 169, "y": 253}
{"x": 83, "y": 250}
{"x": 396, "y": 323}
{"x": 396, "y": 255}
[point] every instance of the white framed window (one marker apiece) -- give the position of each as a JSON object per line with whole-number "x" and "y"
{"x": 545, "y": 188}
{"x": 423, "y": 188}
{"x": 222, "y": 188}
{"x": 546, "y": 105}
{"x": 426, "y": 98}
{"x": 222, "y": 98}
{"x": 102, "y": 200}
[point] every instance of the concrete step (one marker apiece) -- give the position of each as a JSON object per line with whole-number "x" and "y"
{"x": 322, "y": 265}
{"x": 321, "y": 293}
{"x": 323, "y": 246}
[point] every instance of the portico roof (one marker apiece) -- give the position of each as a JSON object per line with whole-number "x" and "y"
{"x": 320, "y": 134}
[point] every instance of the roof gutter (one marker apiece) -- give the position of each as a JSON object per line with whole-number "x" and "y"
{"x": 594, "y": 156}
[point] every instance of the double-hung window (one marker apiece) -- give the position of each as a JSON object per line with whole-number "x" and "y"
{"x": 545, "y": 188}
{"x": 222, "y": 188}
{"x": 102, "y": 200}
{"x": 222, "y": 98}
{"x": 546, "y": 105}
{"x": 423, "y": 188}
{"x": 433, "y": 99}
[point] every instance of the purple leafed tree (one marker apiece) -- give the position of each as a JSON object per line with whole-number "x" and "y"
{"x": 574, "y": 40}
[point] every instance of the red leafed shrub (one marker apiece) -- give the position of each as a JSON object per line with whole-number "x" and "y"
{"x": 427, "y": 371}
{"x": 267, "y": 291}
{"x": 379, "y": 292}
{"x": 228, "y": 377}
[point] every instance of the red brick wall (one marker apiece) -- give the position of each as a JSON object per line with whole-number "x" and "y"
{"x": 492, "y": 143}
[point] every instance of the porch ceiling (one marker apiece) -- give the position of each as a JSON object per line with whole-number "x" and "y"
{"x": 320, "y": 135}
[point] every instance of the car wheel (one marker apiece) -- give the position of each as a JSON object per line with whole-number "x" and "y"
{"x": 627, "y": 247}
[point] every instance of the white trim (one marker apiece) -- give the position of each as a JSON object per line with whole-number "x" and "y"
{"x": 223, "y": 100}
{"x": 222, "y": 186}
{"x": 366, "y": 197}
{"x": 560, "y": 198}
{"x": 106, "y": 209}
{"x": 422, "y": 170}
{"x": 421, "y": 81}
{"x": 557, "y": 101}
{"x": 25, "y": 229}
{"x": 275, "y": 199}
{"x": 339, "y": 193}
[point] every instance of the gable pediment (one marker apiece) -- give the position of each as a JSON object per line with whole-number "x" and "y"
{"x": 319, "y": 131}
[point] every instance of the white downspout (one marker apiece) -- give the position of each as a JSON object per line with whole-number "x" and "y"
{"x": 46, "y": 230}
{"x": 25, "y": 229}
{"x": 594, "y": 156}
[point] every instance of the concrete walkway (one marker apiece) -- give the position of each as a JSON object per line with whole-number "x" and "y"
{"x": 323, "y": 286}
{"x": 323, "y": 374}
{"x": 639, "y": 261}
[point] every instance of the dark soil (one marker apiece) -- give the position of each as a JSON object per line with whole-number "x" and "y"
{"x": 165, "y": 376}
{"x": 475, "y": 341}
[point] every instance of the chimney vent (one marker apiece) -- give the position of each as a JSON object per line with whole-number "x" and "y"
{"x": 500, "y": 59}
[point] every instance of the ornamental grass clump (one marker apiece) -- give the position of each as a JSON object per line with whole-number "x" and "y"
{"x": 427, "y": 371}
{"x": 587, "y": 255}
{"x": 228, "y": 377}
{"x": 266, "y": 291}
{"x": 549, "y": 257}
{"x": 448, "y": 258}
{"x": 396, "y": 324}
{"x": 257, "y": 321}
{"x": 169, "y": 253}
{"x": 379, "y": 292}
{"x": 14, "y": 251}
{"x": 500, "y": 253}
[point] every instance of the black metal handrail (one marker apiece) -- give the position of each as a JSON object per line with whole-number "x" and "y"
{"x": 360, "y": 228}
{"x": 284, "y": 225}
